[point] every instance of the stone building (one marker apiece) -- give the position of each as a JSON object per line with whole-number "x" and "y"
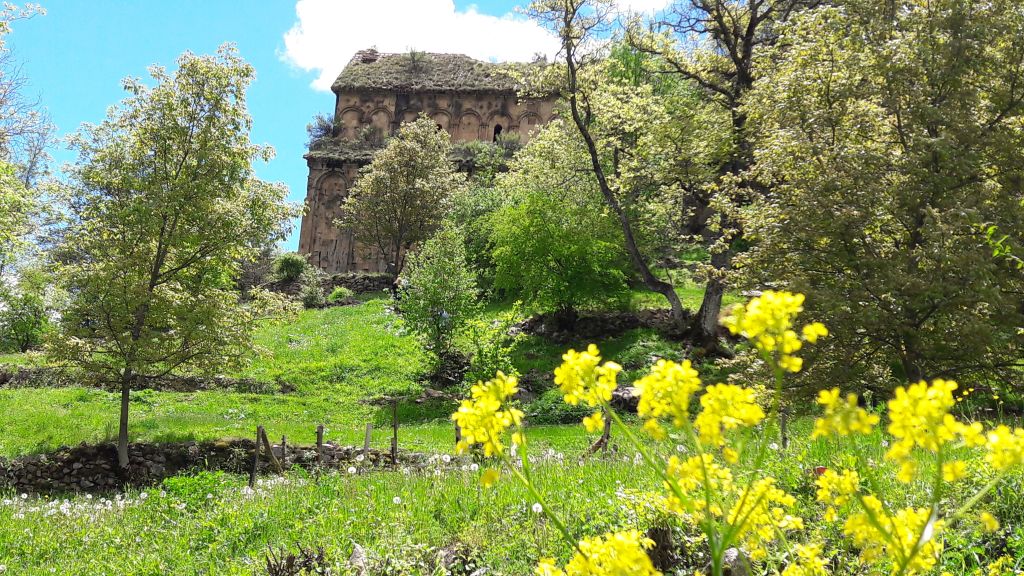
{"x": 374, "y": 95}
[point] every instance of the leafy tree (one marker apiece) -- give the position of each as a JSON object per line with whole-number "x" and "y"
{"x": 25, "y": 310}
{"x": 400, "y": 197}
{"x": 554, "y": 245}
{"x": 440, "y": 293}
{"x": 311, "y": 288}
{"x": 891, "y": 138}
{"x": 17, "y": 206}
{"x": 721, "y": 65}
{"x": 165, "y": 206}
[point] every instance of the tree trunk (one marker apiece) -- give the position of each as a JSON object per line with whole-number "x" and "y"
{"x": 704, "y": 329}
{"x": 122, "y": 432}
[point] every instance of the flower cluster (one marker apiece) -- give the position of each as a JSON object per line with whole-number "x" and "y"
{"x": 907, "y": 539}
{"x": 726, "y": 407}
{"x": 614, "y": 554}
{"x": 768, "y": 322}
{"x": 665, "y": 394}
{"x": 484, "y": 418}
{"x": 809, "y": 561}
{"x": 583, "y": 378}
{"x": 842, "y": 416}
{"x": 835, "y": 489}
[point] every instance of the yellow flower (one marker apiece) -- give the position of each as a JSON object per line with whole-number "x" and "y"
{"x": 759, "y": 514}
{"x": 842, "y": 416}
{"x": 594, "y": 422}
{"x": 694, "y": 477}
{"x": 666, "y": 393}
{"x": 489, "y": 477}
{"x": 911, "y": 537}
{"x": 582, "y": 377}
{"x": 725, "y": 407}
{"x": 1005, "y": 447}
{"x": 835, "y": 489}
{"x": 953, "y": 471}
{"x": 482, "y": 419}
{"x": 808, "y": 561}
{"x": 615, "y": 554}
{"x": 989, "y": 522}
{"x": 768, "y": 322}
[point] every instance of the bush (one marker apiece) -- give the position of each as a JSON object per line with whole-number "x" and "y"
{"x": 439, "y": 291}
{"x": 551, "y": 409}
{"x": 340, "y": 293}
{"x": 311, "y": 290}
{"x": 23, "y": 321}
{"x": 492, "y": 342}
{"x": 289, "y": 266}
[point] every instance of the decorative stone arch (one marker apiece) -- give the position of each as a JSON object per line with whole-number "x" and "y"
{"x": 350, "y": 119}
{"x": 380, "y": 119}
{"x": 443, "y": 120}
{"x": 528, "y": 122}
{"x": 469, "y": 127}
{"x": 499, "y": 123}
{"x": 331, "y": 188}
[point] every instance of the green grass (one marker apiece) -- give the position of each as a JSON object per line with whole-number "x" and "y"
{"x": 334, "y": 359}
{"x": 210, "y": 525}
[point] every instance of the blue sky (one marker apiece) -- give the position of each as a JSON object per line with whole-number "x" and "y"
{"x": 76, "y": 55}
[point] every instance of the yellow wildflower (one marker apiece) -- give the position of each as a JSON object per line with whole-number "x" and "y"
{"x": 666, "y": 393}
{"x": 692, "y": 476}
{"x": 615, "y": 554}
{"x": 489, "y": 477}
{"x": 582, "y": 377}
{"x": 808, "y": 561}
{"x": 842, "y": 416}
{"x": 594, "y": 422}
{"x": 835, "y": 489}
{"x": 725, "y": 407}
{"x": 768, "y": 322}
{"x": 953, "y": 471}
{"x": 910, "y": 538}
{"x": 759, "y": 514}
{"x": 1005, "y": 447}
{"x": 481, "y": 417}
{"x": 989, "y": 522}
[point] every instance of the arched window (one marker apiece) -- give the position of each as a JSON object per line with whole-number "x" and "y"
{"x": 497, "y": 132}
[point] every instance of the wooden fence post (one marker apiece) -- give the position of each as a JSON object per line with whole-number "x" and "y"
{"x": 394, "y": 435}
{"x": 255, "y": 457}
{"x": 320, "y": 444}
{"x": 458, "y": 434}
{"x": 284, "y": 450}
{"x": 606, "y": 436}
{"x": 366, "y": 439}
{"x": 270, "y": 452}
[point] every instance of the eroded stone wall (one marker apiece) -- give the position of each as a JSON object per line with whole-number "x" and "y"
{"x": 362, "y": 116}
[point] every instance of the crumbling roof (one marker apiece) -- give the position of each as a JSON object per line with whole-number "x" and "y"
{"x": 423, "y": 71}
{"x": 361, "y": 151}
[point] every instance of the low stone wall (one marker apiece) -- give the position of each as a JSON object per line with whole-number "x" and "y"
{"x": 49, "y": 377}
{"x": 359, "y": 283}
{"x": 93, "y": 468}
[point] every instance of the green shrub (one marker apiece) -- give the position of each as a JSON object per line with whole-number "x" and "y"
{"x": 492, "y": 341}
{"x": 549, "y": 408}
{"x": 440, "y": 291}
{"x": 290, "y": 266}
{"x": 340, "y": 293}
{"x": 311, "y": 290}
{"x": 23, "y": 321}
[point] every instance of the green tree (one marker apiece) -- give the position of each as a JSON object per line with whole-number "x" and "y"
{"x": 400, "y": 198}
{"x": 25, "y": 310}
{"x": 891, "y": 136}
{"x": 440, "y": 293}
{"x": 555, "y": 246}
{"x": 166, "y": 206}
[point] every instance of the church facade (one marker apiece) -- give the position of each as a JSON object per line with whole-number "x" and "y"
{"x": 374, "y": 95}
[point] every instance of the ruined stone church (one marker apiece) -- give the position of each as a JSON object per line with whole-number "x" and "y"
{"x": 374, "y": 95}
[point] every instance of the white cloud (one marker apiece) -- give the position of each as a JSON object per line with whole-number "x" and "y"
{"x": 329, "y": 32}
